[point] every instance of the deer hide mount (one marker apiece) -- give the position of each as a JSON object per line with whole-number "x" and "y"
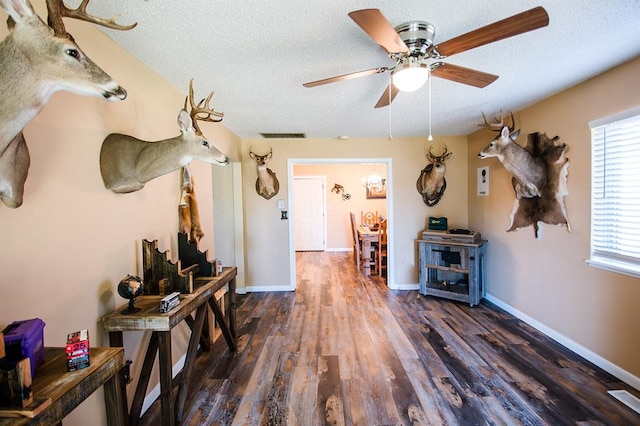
{"x": 549, "y": 207}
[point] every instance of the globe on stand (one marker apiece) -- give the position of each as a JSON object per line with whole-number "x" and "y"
{"x": 130, "y": 287}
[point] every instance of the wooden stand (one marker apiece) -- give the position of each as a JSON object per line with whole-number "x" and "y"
{"x": 156, "y": 267}
{"x": 452, "y": 270}
{"x": 160, "y": 324}
{"x": 190, "y": 255}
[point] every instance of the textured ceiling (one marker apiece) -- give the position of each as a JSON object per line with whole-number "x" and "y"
{"x": 255, "y": 55}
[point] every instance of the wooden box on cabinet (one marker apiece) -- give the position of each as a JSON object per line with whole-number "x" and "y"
{"x": 452, "y": 270}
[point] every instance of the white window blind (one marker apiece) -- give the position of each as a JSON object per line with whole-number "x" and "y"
{"x": 615, "y": 193}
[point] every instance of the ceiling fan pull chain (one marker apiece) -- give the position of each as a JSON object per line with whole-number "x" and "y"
{"x": 389, "y": 90}
{"x": 430, "y": 138}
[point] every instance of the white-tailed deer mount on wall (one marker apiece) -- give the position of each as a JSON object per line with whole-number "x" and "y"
{"x": 539, "y": 171}
{"x": 267, "y": 184}
{"x": 37, "y": 60}
{"x": 528, "y": 171}
{"x": 431, "y": 182}
{"x": 127, "y": 163}
{"x": 188, "y": 213}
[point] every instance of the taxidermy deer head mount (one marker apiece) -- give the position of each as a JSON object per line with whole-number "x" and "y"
{"x": 539, "y": 171}
{"x": 37, "y": 60}
{"x": 431, "y": 182}
{"x": 127, "y": 163}
{"x": 527, "y": 170}
{"x": 267, "y": 184}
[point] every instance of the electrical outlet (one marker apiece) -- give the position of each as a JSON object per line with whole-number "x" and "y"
{"x": 126, "y": 372}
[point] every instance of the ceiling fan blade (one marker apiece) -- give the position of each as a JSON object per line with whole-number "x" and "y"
{"x": 379, "y": 29}
{"x": 517, "y": 24}
{"x": 346, "y": 77}
{"x": 384, "y": 99}
{"x": 463, "y": 75}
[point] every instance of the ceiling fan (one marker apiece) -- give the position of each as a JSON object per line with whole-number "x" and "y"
{"x": 411, "y": 44}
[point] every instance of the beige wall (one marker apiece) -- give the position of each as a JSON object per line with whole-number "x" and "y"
{"x": 267, "y": 237}
{"x": 65, "y": 250}
{"x": 548, "y": 279}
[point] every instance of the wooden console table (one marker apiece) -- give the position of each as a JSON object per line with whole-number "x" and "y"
{"x": 160, "y": 324}
{"x": 66, "y": 390}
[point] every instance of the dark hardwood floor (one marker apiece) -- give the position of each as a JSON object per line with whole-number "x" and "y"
{"x": 344, "y": 350}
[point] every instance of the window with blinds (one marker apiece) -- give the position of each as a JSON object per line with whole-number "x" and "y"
{"x": 615, "y": 193}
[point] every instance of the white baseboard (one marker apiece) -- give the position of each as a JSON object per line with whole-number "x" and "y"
{"x": 589, "y": 355}
{"x": 265, "y": 288}
{"x": 627, "y": 399}
{"x": 406, "y": 287}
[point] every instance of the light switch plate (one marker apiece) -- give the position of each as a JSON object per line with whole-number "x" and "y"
{"x": 483, "y": 181}
{"x": 280, "y": 204}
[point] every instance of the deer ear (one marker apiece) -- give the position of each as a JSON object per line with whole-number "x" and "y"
{"x": 515, "y": 134}
{"x": 18, "y": 10}
{"x": 505, "y": 132}
{"x": 184, "y": 122}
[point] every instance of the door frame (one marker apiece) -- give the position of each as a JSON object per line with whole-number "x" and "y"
{"x": 291, "y": 162}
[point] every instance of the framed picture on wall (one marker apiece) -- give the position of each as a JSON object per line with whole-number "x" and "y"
{"x": 372, "y": 193}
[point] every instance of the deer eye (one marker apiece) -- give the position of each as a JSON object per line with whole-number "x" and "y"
{"x": 205, "y": 144}
{"x": 73, "y": 53}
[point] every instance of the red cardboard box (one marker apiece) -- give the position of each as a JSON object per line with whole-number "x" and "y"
{"x": 77, "y": 350}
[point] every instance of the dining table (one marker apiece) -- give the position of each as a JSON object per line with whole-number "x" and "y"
{"x": 367, "y": 236}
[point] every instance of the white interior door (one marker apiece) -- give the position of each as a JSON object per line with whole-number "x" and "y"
{"x": 309, "y": 213}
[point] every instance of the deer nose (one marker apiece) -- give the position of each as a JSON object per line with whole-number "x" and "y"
{"x": 116, "y": 94}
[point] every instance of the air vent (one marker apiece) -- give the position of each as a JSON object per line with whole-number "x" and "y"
{"x": 284, "y": 135}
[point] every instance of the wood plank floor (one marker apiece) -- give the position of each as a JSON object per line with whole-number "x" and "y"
{"x": 344, "y": 350}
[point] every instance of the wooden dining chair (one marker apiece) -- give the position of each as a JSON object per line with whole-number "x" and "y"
{"x": 356, "y": 241}
{"x": 369, "y": 218}
{"x": 381, "y": 255}
{"x": 357, "y": 246}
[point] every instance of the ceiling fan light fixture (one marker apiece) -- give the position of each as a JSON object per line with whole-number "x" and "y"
{"x": 410, "y": 76}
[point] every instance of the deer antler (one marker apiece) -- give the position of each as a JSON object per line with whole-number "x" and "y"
{"x": 432, "y": 157}
{"x": 202, "y": 108}
{"x": 498, "y": 123}
{"x": 57, "y": 10}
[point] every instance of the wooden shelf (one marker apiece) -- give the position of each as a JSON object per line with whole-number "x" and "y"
{"x": 446, "y": 268}
{"x": 442, "y": 263}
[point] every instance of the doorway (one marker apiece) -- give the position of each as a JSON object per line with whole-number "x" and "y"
{"x": 355, "y": 188}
